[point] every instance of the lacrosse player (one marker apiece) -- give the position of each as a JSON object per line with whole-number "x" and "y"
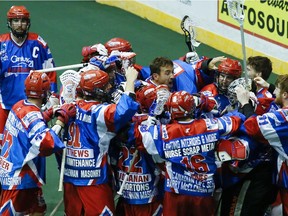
{"x": 227, "y": 71}
{"x": 269, "y": 129}
{"x": 27, "y": 140}
{"x": 188, "y": 146}
{"x": 142, "y": 193}
{"x": 258, "y": 168}
{"x": 21, "y": 51}
{"x": 87, "y": 187}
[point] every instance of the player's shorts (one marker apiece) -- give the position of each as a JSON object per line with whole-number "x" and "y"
{"x": 88, "y": 200}
{"x": 22, "y": 202}
{"x": 3, "y": 117}
{"x": 178, "y": 204}
{"x": 155, "y": 208}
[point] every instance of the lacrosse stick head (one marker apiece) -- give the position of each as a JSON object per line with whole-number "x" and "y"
{"x": 188, "y": 27}
{"x": 70, "y": 80}
{"x": 162, "y": 95}
{"x": 236, "y": 9}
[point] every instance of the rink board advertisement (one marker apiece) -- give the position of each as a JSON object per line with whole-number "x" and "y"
{"x": 265, "y": 19}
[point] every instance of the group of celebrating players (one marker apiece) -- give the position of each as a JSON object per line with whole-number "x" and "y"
{"x": 181, "y": 137}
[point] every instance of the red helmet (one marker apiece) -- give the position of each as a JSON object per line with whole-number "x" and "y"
{"x": 145, "y": 97}
{"x": 230, "y": 67}
{"x": 93, "y": 81}
{"x": 18, "y": 12}
{"x": 180, "y": 104}
{"x": 37, "y": 84}
{"x": 118, "y": 44}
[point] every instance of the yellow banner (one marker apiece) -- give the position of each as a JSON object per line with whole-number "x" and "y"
{"x": 265, "y": 19}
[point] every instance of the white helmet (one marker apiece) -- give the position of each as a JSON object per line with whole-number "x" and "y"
{"x": 231, "y": 92}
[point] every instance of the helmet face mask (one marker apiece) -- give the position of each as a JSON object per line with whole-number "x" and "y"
{"x": 18, "y": 16}
{"x": 231, "y": 91}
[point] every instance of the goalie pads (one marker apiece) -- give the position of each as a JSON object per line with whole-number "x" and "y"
{"x": 232, "y": 149}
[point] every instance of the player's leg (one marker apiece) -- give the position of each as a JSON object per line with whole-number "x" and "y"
{"x": 178, "y": 204}
{"x": 72, "y": 202}
{"x": 3, "y": 117}
{"x": 26, "y": 202}
{"x": 97, "y": 199}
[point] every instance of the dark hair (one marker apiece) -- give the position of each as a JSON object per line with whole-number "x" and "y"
{"x": 261, "y": 64}
{"x": 159, "y": 62}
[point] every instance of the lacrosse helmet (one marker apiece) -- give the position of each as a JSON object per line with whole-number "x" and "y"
{"x": 180, "y": 104}
{"x": 37, "y": 85}
{"x": 18, "y": 12}
{"x": 230, "y": 67}
{"x": 231, "y": 91}
{"x": 94, "y": 82}
{"x": 118, "y": 44}
{"x": 145, "y": 97}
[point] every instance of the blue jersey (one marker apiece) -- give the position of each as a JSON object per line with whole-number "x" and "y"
{"x": 16, "y": 63}
{"x": 189, "y": 148}
{"x": 187, "y": 77}
{"x": 87, "y": 161}
{"x": 142, "y": 186}
{"x": 142, "y": 183}
{"x": 271, "y": 129}
{"x": 222, "y": 100}
{"x": 27, "y": 139}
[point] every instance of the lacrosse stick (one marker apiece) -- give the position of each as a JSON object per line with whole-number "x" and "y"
{"x": 67, "y": 67}
{"x": 187, "y": 27}
{"x": 163, "y": 94}
{"x": 236, "y": 11}
{"x": 120, "y": 192}
{"x": 70, "y": 80}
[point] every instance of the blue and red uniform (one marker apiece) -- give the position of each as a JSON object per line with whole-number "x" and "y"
{"x": 15, "y": 64}
{"x": 27, "y": 139}
{"x": 87, "y": 168}
{"x": 189, "y": 151}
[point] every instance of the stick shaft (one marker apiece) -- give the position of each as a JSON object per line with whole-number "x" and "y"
{"x": 62, "y": 168}
{"x": 61, "y": 68}
{"x": 56, "y": 207}
{"x": 244, "y": 52}
{"x": 127, "y": 174}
